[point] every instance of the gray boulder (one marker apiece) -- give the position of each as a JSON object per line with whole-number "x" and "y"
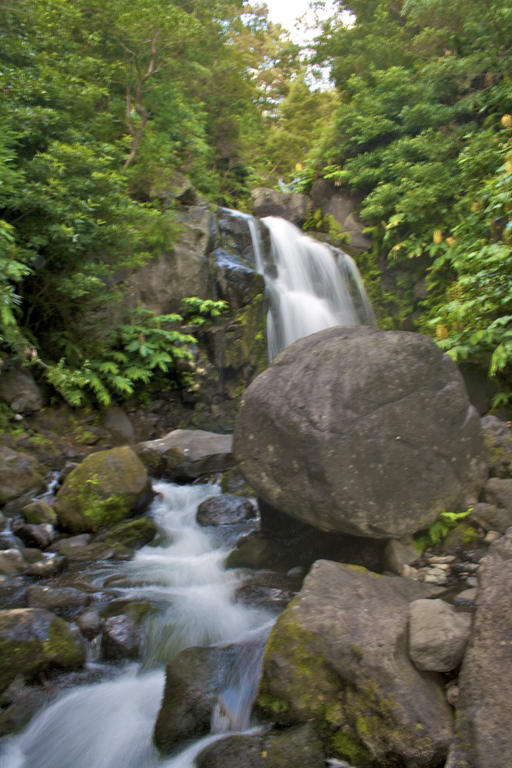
{"x": 19, "y": 390}
{"x": 483, "y": 736}
{"x": 186, "y": 454}
{"x": 361, "y": 431}
{"x": 226, "y": 509}
{"x": 498, "y": 442}
{"x": 59, "y": 600}
{"x": 337, "y": 658}
{"x": 437, "y": 635}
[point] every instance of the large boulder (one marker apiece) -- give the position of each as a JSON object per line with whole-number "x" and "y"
{"x": 186, "y": 454}
{"x": 32, "y": 641}
{"x": 20, "y": 474}
{"x": 483, "y": 736}
{"x": 361, "y": 431}
{"x": 337, "y": 657}
{"x": 105, "y": 488}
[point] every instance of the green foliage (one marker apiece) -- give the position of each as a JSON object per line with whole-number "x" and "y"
{"x": 439, "y": 529}
{"x": 325, "y": 222}
{"x": 198, "y": 311}
{"x": 148, "y": 345}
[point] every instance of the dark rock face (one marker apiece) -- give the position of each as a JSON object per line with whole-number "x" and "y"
{"x": 344, "y": 210}
{"x": 268, "y": 202}
{"x": 19, "y": 390}
{"x": 186, "y": 454}
{"x": 483, "y": 736}
{"x": 337, "y": 657}
{"x": 361, "y": 431}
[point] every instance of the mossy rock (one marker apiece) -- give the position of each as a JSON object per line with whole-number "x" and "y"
{"x": 32, "y": 641}
{"x": 132, "y": 533}
{"x": 106, "y": 488}
{"x": 38, "y": 512}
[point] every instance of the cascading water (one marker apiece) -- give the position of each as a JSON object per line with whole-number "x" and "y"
{"x": 110, "y": 724}
{"x": 310, "y": 286}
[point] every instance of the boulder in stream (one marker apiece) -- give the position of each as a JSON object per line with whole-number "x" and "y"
{"x": 105, "y": 488}
{"x": 20, "y": 475}
{"x": 186, "y": 454}
{"x": 33, "y": 640}
{"x": 361, "y": 431}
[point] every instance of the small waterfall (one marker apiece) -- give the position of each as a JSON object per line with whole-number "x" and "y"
{"x": 310, "y": 285}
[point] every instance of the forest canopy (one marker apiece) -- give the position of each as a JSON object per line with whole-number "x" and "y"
{"x": 103, "y": 103}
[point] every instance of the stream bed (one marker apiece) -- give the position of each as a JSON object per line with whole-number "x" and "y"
{"x": 109, "y": 724}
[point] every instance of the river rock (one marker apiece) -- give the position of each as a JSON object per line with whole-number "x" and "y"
{"x": 132, "y": 533}
{"x": 40, "y": 536}
{"x": 483, "y": 736}
{"x": 186, "y": 454}
{"x": 19, "y": 390}
{"x": 32, "y": 641}
{"x": 192, "y": 684}
{"x": 338, "y": 425}
{"x": 337, "y": 657}
{"x": 38, "y": 512}
{"x": 498, "y": 491}
{"x": 12, "y": 561}
{"x": 437, "y": 635}
{"x": 105, "y": 488}
{"x": 121, "y": 638}
{"x": 20, "y": 475}
{"x": 60, "y": 600}
{"x": 226, "y": 509}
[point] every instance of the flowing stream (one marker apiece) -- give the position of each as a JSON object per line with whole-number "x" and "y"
{"x": 110, "y": 724}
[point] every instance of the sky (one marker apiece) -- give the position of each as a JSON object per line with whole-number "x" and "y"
{"x": 286, "y": 12}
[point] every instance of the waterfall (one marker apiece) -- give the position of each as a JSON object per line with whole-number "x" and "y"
{"x": 110, "y": 724}
{"x": 309, "y": 285}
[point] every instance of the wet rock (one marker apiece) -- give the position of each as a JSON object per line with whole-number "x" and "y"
{"x": 20, "y": 475}
{"x": 19, "y": 390}
{"x": 186, "y": 454}
{"x": 12, "y": 561}
{"x": 351, "y": 413}
{"x": 123, "y": 633}
{"x": 337, "y": 658}
{"x": 483, "y": 736}
{"x": 437, "y": 635}
{"x": 132, "y": 534}
{"x": 237, "y": 282}
{"x": 237, "y": 751}
{"x": 89, "y": 623}
{"x": 234, "y": 482}
{"x": 40, "y": 536}
{"x": 13, "y": 591}
{"x": 49, "y": 566}
{"x": 64, "y": 601}
{"x": 32, "y": 641}
{"x": 105, "y": 488}
{"x": 38, "y": 512}
{"x": 225, "y": 509}
{"x": 192, "y": 684}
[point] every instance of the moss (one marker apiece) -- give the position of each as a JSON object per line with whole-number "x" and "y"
{"x": 61, "y": 647}
{"x": 346, "y": 746}
{"x": 272, "y": 704}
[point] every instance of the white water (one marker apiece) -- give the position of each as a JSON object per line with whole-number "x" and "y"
{"x": 312, "y": 287}
{"x": 110, "y": 724}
